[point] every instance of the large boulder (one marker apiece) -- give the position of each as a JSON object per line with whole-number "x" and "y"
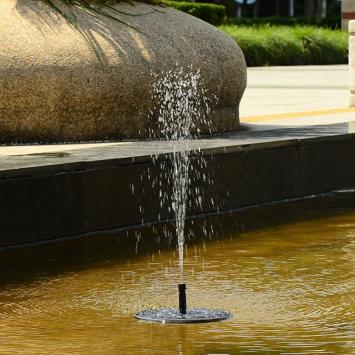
{"x": 93, "y": 80}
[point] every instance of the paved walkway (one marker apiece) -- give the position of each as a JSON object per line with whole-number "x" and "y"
{"x": 273, "y": 91}
{"x": 276, "y": 97}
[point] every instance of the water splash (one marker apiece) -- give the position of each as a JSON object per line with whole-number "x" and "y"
{"x": 182, "y": 102}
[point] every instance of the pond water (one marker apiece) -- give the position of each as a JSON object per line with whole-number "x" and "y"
{"x": 289, "y": 282}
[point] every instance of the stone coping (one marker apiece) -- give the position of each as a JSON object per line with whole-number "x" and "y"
{"x": 71, "y": 194}
{"x": 132, "y": 152}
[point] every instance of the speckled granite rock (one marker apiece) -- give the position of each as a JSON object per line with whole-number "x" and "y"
{"x": 58, "y": 83}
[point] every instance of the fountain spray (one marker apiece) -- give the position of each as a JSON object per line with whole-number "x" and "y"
{"x": 178, "y": 94}
{"x": 181, "y": 100}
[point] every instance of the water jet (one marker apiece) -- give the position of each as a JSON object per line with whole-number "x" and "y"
{"x": 182, "y": 103}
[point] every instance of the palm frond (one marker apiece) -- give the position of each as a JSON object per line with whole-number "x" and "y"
{"x": 71, "y": 19}
{"x": 104, "y": 8}
{"x": 94, "y": 8}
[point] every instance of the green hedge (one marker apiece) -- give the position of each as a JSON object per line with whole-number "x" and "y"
{"x": 214, "y": 14}
{"x": 333, "y": 22}
{"x": 284, "y": 45}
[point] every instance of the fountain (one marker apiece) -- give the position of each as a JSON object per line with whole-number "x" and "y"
{"x": 182, "y": 102}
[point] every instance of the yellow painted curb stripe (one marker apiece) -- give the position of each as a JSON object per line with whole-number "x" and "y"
{"x": 283, "y": 116}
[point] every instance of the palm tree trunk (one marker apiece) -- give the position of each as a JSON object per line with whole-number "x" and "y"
{"x": 322, "y": 8}
{"x": 277, "y": 7}
{"x": 256, "y": 9}
{"x": 291, "y": 10}
{"x": 244, "y": 8}
{"x": 309, "y": 7}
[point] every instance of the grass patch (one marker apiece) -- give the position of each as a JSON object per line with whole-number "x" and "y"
{"x": 284, "y": 45}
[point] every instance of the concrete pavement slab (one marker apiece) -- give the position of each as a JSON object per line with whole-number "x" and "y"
{"x": 297, "y": 89}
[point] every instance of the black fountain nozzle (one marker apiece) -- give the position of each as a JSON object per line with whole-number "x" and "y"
{"x": 182, "y": 298}
{"x": 181, "y": 315}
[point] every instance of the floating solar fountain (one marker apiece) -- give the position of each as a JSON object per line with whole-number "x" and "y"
{"x": 181, "y": 98}
{"x": 183, "y": 314}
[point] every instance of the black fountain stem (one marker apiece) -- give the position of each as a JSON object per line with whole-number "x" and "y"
{"x": 182, "y": 298}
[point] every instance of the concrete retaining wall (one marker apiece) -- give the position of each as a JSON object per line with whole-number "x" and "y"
{"x": 49, "y": 203}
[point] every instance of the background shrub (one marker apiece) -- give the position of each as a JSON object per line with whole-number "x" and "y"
{"x": 284, "y": 45}
{"x": 333, "y": 22}
{"x": 212, "y": 13}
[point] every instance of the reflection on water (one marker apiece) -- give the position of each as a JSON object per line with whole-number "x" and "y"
{"x": 290, "y": 288}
